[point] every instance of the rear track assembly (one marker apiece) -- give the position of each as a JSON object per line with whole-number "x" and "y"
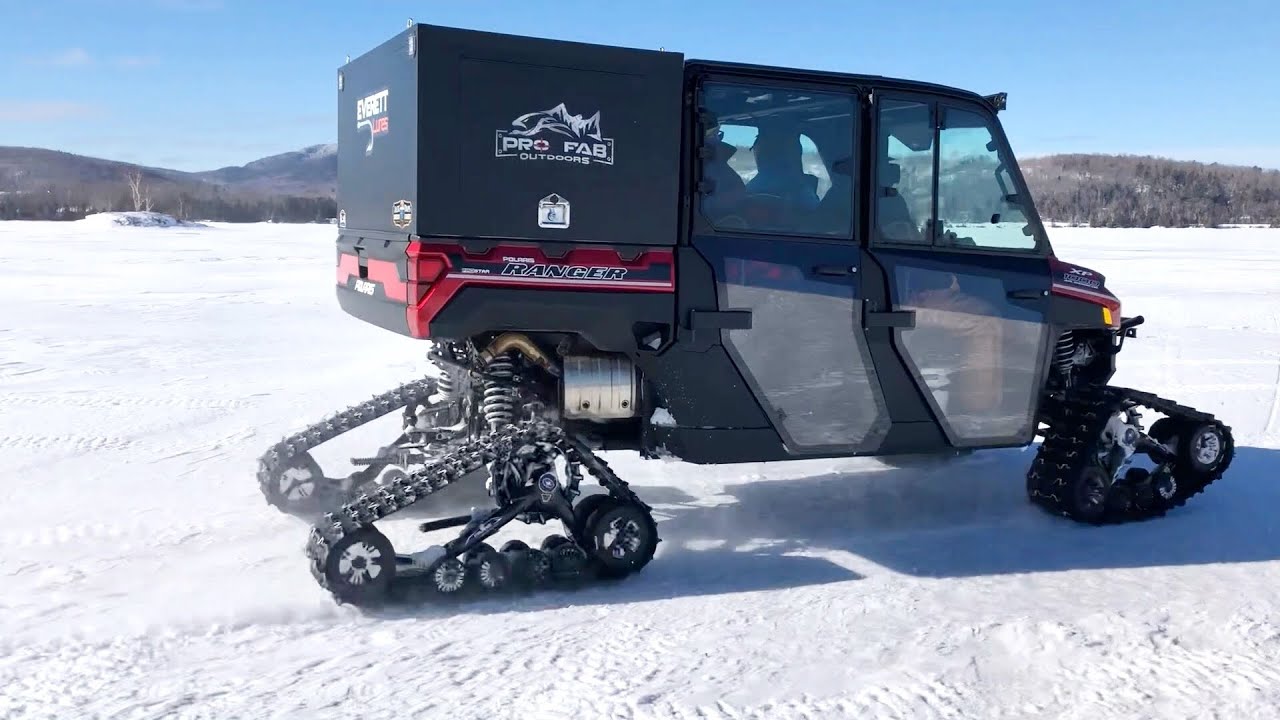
{"x": 609, "y": 535}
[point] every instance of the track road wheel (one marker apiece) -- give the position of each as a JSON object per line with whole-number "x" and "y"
{"x": 491, "y": 569}
{"x": 551, "y": 542}
{"x": 566, "y": 558}
{"x": 527, "y": 567}
{"x": 447, "y": 575}
{"x": 360, "y": 567}
{"x": 623, "y": 538}
{"x": 535, "y": 568}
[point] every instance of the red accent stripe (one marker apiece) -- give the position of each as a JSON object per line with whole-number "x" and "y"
{"x": 1097, "y": 298}
{"x": 420, "y": 315}
{"x": 348, "y": 265}
{"x": 383, "y": 272}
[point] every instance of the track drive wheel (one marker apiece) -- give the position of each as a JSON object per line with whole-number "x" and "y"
{"x": 622, "y": 538}
{"x": 360, "y": 567}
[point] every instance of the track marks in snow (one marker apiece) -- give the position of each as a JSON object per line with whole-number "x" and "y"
{"x": 167, "y": 534}
{"x": 105, "y": 401}
{"x": 77, "y": 444}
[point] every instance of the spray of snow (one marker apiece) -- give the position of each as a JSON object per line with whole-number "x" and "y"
{"x": 136, "y": 219}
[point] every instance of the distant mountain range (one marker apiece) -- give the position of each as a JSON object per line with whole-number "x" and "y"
{"x": 309, "y": 172}
{"x": 1111, "y": 190}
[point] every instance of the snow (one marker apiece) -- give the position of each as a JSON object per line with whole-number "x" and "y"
{"x": 662, "y": 417}
{"x": 142, "y": 576}
{"x": 134, "y": 219}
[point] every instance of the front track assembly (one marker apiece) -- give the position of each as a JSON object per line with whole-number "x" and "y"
{"x": 609, "y": 534}
{"x": 1083, "y": 467}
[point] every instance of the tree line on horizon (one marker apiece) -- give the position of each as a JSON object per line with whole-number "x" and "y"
{"x": 77, "y": 200}
{"x": 1135, "y": 191}
{"x": 1079, "y": 189}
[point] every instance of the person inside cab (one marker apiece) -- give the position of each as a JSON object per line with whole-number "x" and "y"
{"x": 780, "y": 170}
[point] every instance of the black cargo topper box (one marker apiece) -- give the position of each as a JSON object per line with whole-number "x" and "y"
{"x": 458, "y": 133}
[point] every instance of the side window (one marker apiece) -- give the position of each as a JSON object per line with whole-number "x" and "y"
{"x": 904, "y": 196}
{"x": 978, "y": 204}
{"x": 776, "y": 160}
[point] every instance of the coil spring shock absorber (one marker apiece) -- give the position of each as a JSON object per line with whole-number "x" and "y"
{"x": 1063, "y": 354}
{"x": 448, "y": 384}
{"x": 498, "y": 406}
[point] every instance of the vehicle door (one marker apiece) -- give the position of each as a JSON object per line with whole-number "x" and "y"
{"x": 965, "y": 261}
{"x": 774, "y": 216}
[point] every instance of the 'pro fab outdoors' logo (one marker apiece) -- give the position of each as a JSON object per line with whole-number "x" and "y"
{"x": 555, "y": 135}
{"x": 371, "y": 113}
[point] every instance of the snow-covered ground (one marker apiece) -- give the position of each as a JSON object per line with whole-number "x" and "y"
{"x": 143, "y": 370}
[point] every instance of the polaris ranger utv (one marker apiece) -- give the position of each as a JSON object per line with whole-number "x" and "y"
{"x": 619, "y": 249}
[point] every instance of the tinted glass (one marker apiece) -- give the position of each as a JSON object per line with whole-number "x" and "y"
{"x": 811, "y": 368}
{"x": 778, "y": 160}
{"x": 977, "y": 199}
{"x": 904, "y": 174}
{"x": 977, "y": 353}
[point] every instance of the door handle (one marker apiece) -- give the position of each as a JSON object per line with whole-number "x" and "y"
{"x": 834, "y": 270}
{"x": 890, "y": 319}
{"x": 1026, "y": 294}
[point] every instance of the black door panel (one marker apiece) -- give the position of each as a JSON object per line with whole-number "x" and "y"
{"x": 804, "y": 355}
{"x": 978, "y": 355}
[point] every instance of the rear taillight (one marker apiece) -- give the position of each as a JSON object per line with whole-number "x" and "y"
{"x": 424, "y": 269}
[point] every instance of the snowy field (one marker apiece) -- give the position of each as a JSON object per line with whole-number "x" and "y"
{"x": 143, "y": 370}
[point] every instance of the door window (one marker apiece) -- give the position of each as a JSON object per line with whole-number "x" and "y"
{"x": 904, "y": 196}
{"x": 978, "y": 205}
{"x": 973, "y": 202}
{"x": 777, "y": 160}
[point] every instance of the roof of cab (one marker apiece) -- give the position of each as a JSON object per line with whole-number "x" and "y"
{"x": 785, "y": 73}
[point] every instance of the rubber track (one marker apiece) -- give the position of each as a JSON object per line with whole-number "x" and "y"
{"x": 277, "y": 458}
{"x": 1075, "y": 427}
{"x": 460, "y": 461}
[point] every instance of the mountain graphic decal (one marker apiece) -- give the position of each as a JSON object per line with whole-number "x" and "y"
{"x": 557, "y": 120}
{"x": 555, "y": 135}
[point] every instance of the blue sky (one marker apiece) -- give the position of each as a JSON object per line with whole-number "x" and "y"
{"x": 200, "y": 84}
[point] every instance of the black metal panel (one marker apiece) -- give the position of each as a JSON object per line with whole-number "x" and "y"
{"x": 471, "y": 130}
{"x": 604, "y": 319}
{"x": 377, "y": 137}
{"x": 375, "y": 309}
{"x": 508, "y": 121}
